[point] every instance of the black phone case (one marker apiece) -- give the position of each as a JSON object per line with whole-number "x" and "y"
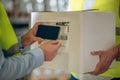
{"x": 48, "y": 32}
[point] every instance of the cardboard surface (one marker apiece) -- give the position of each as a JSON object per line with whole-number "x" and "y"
{"x": 88, "y": 31}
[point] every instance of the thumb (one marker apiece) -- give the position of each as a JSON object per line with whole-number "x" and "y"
{"x": 96, "y": 53}
{"x": 55, "y": 42}
{"x": 38, "y": 39}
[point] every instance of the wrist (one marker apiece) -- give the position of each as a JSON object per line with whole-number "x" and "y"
{"x": 116, "y": 51}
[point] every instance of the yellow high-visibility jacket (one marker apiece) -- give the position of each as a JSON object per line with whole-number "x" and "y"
{"x": 8, "y": 38}
{"x": 14, "y": 67}
{"x": 103, "y": 6}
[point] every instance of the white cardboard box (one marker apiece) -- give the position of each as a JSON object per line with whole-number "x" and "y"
{"x": 86, "y": 32}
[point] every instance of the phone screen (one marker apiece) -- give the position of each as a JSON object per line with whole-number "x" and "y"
{"x": 48, "y": 32}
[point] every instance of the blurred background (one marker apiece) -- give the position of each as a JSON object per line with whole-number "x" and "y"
{"x": 19, "y": 14}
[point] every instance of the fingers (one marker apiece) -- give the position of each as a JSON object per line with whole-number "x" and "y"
{"x": 37, "y": 24}
{"x": 56, "y": 42}
{"x": 35, "y": 27}
{"x": 38, "y": 39}
{"x": 105, "y": 59}
{"x": 96, "y": 52}
{"x": 53, "y": 43}
{"x": 99, "y": 70}
{"x": 101, "y": 67}
{"x": 100, "y": 64}
{"x": 50, "y": 49}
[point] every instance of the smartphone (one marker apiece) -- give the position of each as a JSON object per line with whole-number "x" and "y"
{"x": 48, "y": 32}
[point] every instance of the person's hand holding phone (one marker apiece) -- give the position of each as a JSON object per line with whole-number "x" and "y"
{"x": 50, "y": 45}
{"x": 50, "y": 49}
{"x": 30, "y": 37}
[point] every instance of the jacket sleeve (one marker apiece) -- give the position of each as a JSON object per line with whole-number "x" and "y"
{"x": 17, "y": 66}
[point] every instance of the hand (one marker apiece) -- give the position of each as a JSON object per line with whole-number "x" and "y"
{"x": 105, "y": 60}
{"x": 30, "y": 36}
{"x": 50, "y": 49}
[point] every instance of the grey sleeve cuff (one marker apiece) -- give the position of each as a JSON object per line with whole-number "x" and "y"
{"x": 19, "y": 41}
